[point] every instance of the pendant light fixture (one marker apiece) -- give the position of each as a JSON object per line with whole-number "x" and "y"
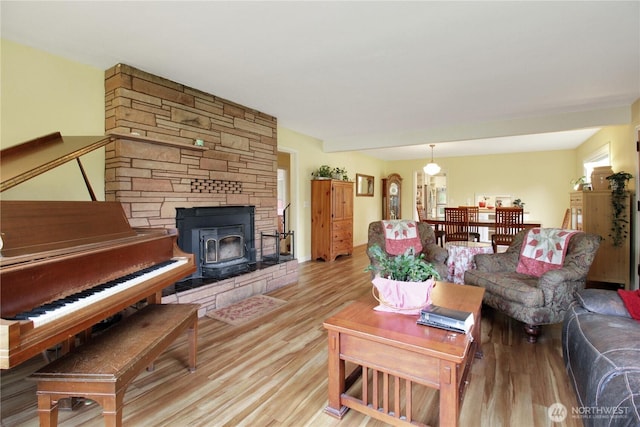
{"x": 431, "y": 168}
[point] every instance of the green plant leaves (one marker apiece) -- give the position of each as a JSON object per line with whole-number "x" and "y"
{"x": 407, "y": 267}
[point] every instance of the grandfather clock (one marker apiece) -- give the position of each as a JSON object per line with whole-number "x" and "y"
{"x": 391, "y": 190}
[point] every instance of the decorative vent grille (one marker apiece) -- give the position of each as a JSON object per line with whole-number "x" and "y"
{"x": 215, "y": 186}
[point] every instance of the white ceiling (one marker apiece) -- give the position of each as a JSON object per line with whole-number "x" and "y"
{"x": 373, "y": 75}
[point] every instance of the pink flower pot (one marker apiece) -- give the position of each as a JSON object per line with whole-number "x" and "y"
{"x": 402, "y": 297}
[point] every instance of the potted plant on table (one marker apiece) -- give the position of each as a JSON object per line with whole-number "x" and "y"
{"x": 403, "y": 282}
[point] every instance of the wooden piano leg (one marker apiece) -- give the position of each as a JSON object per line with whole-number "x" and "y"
{"x": 47, "y": 410}
{"x": 155, "y": 298}
{"x": 85, "y": 336}
{"x": 67, "y": 345}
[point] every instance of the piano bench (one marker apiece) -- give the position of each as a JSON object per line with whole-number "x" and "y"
{"x": 102, "y": 369}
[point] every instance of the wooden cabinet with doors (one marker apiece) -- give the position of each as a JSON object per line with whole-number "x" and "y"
{"x": 331, "y": 219}
{"x": 591, "y": 212}
{"x": 391, "y": 189}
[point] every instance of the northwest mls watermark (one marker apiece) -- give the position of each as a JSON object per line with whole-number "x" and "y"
{"x": 558, "y": 412}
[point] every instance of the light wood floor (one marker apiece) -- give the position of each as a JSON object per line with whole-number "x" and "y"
{"x": 272, "y": 372}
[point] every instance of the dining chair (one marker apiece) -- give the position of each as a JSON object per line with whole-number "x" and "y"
{"x": 509, "y": 221}
{"x": 456, "y": 225}
{"x": 473, "y": 213}
{"x": 439, "y": 233}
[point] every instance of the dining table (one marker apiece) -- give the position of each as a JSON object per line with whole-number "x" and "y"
{"x": 438, "y": 224}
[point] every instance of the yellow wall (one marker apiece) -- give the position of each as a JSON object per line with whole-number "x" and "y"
{"x": 540, "y": 179}
{"x": 307, "y": 155}
{"x": 43, "y": 93}
{"x": 622, "y": 139}
{"x": 622, "y": 149}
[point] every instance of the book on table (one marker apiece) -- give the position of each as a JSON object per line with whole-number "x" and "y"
{"x": 446, "y": 318}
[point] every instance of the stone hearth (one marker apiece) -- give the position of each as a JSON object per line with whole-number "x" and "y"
{"x": 223, "y": 293}
{"x": 155, "y": 165}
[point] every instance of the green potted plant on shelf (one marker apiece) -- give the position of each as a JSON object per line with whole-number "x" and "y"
{"x": 579, "y": 183}
{"x": 340, "y": 173}
{"x": 619, "y": 198}
{"x": 404, "y": 282}
{"x": 323, "y": 172}
{"x": 327, "y": 172}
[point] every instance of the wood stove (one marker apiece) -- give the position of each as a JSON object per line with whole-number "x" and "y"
{"x": 222, "y": 238}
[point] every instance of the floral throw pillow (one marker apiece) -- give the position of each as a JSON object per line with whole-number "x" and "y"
{"x": 543, "y": 249}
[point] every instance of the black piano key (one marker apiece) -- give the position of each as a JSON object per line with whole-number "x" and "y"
{"x": 32, "y": 313}
{"x": 52, "y": 305}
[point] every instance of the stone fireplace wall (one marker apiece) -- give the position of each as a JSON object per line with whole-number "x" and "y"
{"x": 155, "y": 166}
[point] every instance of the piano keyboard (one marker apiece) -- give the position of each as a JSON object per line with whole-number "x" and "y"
{"x": 64, "y": 306}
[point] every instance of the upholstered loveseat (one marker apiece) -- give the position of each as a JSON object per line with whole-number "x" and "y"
{"x": 601, "y": 350}
{"x": 535, "y": 301}
{"x": 433, "y": 253}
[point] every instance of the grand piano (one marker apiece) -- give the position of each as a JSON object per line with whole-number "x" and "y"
{"x": 68, "y": 265}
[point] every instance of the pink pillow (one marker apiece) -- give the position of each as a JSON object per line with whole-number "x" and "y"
{"x": 543, "y": 249}
{"x": 401, "y": 235}
{"x": 631, "y": 301}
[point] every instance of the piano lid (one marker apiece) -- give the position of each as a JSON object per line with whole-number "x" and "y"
{"x": 22, "y": 162}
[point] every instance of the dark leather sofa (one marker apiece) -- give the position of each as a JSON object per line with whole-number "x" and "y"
{"x": 601, "y": 350}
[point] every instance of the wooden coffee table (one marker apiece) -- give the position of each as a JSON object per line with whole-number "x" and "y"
{"x": 391, "y": 352}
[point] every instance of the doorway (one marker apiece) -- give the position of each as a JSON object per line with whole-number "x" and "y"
{"x": 431, "y": 194}
{"x": 286, "y": 201}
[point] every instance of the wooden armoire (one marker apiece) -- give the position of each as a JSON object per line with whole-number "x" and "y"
{"x": 591, "y": 212}
{"x": 331, "y": 218}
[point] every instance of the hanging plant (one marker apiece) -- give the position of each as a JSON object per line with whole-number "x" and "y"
{"x": 619, "y": 197}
